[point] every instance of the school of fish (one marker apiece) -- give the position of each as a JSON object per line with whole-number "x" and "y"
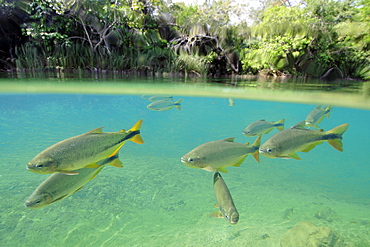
{"x": 75, "y": 161}
{"x": 215, "y": 156}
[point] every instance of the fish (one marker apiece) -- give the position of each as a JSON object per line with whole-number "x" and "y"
{"x": 286, "y": 143}
{"x": 59, "y": 185}
{"x": 227, "y": 209}
{"x": 84, "y": 150}
{"x": 317, "y": 115}
{"x": 158, "y": 97}
{"x": 163, "y": 105}
{"x": 231, "y": 102}
{"x": 263, "y": 127}
{"x": 217, "y": 155}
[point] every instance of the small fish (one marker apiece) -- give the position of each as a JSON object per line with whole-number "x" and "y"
{"x": 317, "y": 115}
{"x": 163, "y": 105}
{"x": 263, "y": 127}
{"x": 286, "y": 143}
{"x": 59, "y": 186}
{"x": 83, "y": 151}
{"x": 231, "y": 102}
{"x": 217, "y": 155}
{"x": 158, "y": 97}
{"x": 225, "y": 202}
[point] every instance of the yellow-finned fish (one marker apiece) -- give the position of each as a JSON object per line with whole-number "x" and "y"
{"x": 217, "y": 155}
{"x": 263, "y": 127}
{"x": 164, "y": 105}
{"x": 83, "y": 151}
{"x": 317, "y": 115}
{"x": 225, "y": 202}
{"x": 286, "y": 143}
{"x": 59, "y": 185}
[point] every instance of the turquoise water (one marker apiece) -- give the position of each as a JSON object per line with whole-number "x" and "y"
{"x": 154, "y": 200}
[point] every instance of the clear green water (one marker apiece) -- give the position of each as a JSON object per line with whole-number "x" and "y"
{"x": 157, "y": 201}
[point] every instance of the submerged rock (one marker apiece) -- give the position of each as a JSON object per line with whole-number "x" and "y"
{"x": 306, "y": 234}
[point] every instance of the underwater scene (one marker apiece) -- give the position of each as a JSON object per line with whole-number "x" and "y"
{"x": 153, "y": 191}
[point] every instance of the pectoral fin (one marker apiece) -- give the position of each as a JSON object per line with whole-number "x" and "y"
{"x": 217, "y": 214}
{"x": 294, "y": 156}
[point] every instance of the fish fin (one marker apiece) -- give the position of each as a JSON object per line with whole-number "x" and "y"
{"x": 97, "y": 172}
{"x": 294, "y": 156}
{"x": 78, "y": 189}
{"x": 300, "y": 125}
{"x": 268, "y": 131}
{"x": 328, "y": 109}
{"x": 222, "y": 169}
{"x": 256, "y": 156}
{"x": 241, "y": 161}
{"x": 320, "y": 119}
{"x": 310, "y": 147}
{"x": 60, "y": 198}
{"x": 281, "y": 124}
{"x": 338, "y": 131}
{"x": 316, "y": 127}
{"x": 137, "y": 125}
{"x": 217, "y": 214}
{"x": 69, "y": 172}
{"x": 116, "y": 163}
{"x": 95, "y": 131}
{"x": 230, "y": 139}
{"x": 337, "y": 144}
{"x": 117, "y": 149}
{"x": 178, "y": 104}
{"x": 137, "y": 139}
{"x": 93, "y": 165}
{"x": 262, "y": 120}
{"x": 257, "y": 142}
{"x": 247, "y": 143}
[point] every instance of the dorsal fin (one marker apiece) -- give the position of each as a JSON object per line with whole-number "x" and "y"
{"x": 95, "y": 131}
{"x": 230, "y": 139}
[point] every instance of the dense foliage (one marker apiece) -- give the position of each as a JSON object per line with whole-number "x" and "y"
{"x": 319, "y": 38}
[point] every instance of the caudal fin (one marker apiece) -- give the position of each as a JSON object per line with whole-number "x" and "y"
{"x": 280, "y": 124}
{"x": 257, "y": 144}
{"x": 335, "y": 136}
{"x": 137, "y": 138}
{"x": 178, "y": 104}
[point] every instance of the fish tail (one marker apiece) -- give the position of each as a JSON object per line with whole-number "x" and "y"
{"x": 335, "y": 136}
{"x": 328, "y": 110}
{"x": 178, "y": 104}
{"x": 257, "y": 144}
{"x": 280, "y": 124}
{"x": 256, "y": 156}
{"x": 137, "y": 138}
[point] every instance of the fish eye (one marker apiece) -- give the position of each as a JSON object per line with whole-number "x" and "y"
{"x": 40, "y": 166}
{"x": 38, "y": 201}
{"x": 190, "y": 159}
{"x": 269, "y": 150}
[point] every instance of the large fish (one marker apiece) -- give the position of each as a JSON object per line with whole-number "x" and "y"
{"x": 59, "y": 186}
{"x": 317, "y": 115}
{"x": 217, "y": 155}
{"x": 286, "y": 143}
{"x": 263, "y": 127}
{"x": 83, "y": 151}
{"x": 225, "y": 201}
